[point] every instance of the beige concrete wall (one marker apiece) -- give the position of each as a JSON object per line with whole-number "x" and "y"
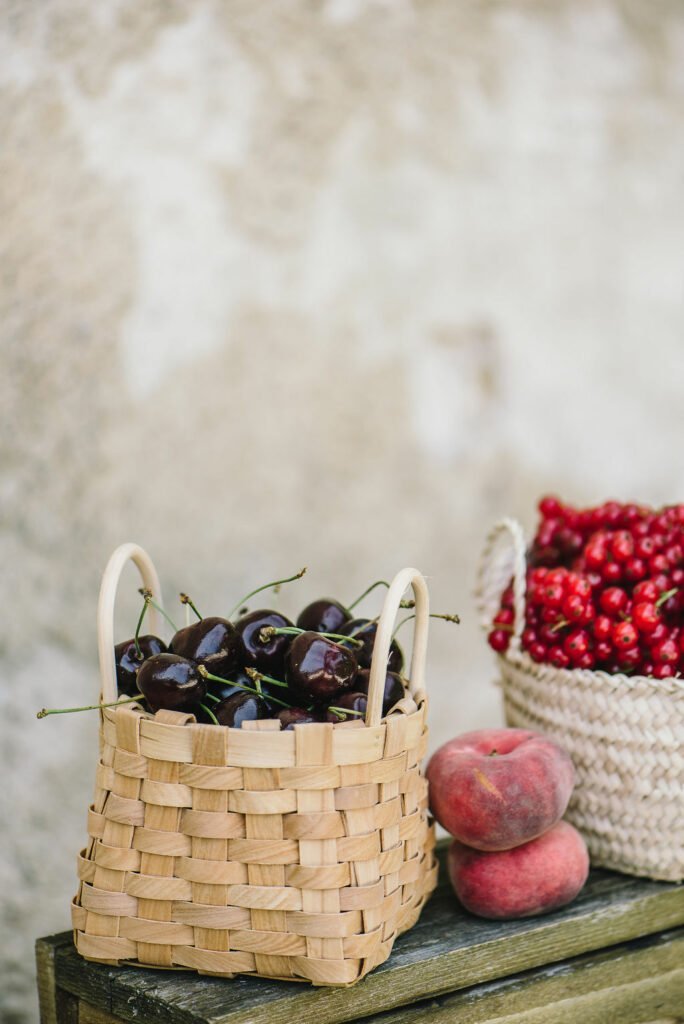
{"x": 292, "y": 283}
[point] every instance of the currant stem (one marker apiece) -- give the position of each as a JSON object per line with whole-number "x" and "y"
{"x": 138, "y": 649}
{"x": 44, "y": 712}
{"x": 184, "y": 599}
{"x": 666, "y": 596}
{"x": 210, "y": 713}
{"x": 147, "y": 594}
{"x": 276, "y": 584}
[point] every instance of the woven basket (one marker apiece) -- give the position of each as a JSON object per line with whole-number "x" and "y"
{"x": 625, "y": 734}
{"x": 297, "y": 854}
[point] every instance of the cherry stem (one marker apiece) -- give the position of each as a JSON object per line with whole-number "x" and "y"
{"x": 212, "y": 696}
{"x": 267, "y": 632}
{"x": 147, "y": 594}
{"x": 44, "y": 712}
{"x": 184, "y": 599}
{"x": 367, "y": 591}
{"x": 504, "y": 627}
{"x": 241, "y": 686}
{"x": 666, "y": 596}
{"x": 378, "y": 583}
{"x": 138, "y": 649}
{"x": 255, "y": 675}
{"x": 343, "y": 712}
{"x": 559, "y": 625}
{"x": 210, "y": 713}
{"x": 276, "y": 584}
{"x": 433, "y": 615}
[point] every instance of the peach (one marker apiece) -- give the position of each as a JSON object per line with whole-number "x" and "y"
{"x": 534, "y": 878}
{"x": 497, "y": 788}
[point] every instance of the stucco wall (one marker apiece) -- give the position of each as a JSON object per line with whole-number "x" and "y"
{"x": 293, "y": 283}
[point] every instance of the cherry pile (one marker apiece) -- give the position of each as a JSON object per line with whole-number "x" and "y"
{"x": 605, "y": 590}
{"x": 261, "y": 665}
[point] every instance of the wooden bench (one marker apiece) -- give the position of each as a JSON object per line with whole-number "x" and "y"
{"x": 614, "y": 956}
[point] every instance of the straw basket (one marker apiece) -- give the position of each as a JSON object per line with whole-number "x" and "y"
{"x": 295, "y": 854}
{"x": 625, "y": 734}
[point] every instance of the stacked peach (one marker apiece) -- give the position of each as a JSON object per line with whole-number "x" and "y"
{"x": 501, "y": 793}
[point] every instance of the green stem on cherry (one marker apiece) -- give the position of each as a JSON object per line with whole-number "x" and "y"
{"x": 368, "y": 590}
{"x": 255, "y": 675}
{"x": 212, "y": 696}
{"x": 184, "y": 599}
{"x": 241, "y": 686}
{"x": 342, "y": 713}
{"x": 138, "y": 649}
{"x": 266, "y": 633}
{"x": 147, "y": 594}
{"x": 447, "y": 617}
{"x": 666, "y": 596}
{"x": 276, "y": 584}
{"x": 44, "y": 712}
{"x": 210, "y": 713}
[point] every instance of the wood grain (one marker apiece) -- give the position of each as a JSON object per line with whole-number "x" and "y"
{"x": 448, "y": 950}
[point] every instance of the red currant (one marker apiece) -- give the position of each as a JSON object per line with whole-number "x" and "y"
{"x": 576, "y": 644}
{"x": 645, "y": 616}
{"x": 624, "y": 635}
{"x": 646, "y": 591}
{"x": 558, "y": 657}
{"x": 665, "y": 651}
{"x": 613, "y": 600}
{"x": 499, "y": 640}
{"x": 622, "y": 545}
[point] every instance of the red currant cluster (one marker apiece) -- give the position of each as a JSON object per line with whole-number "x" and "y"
{"x": 605, "y": 590}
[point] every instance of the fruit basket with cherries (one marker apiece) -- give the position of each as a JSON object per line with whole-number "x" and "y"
{"x": 588, "y": 624}
{"x": 259, "y": 804}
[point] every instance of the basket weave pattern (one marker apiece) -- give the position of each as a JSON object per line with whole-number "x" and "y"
{"x": 625, "y": 734}
{"x": 296, "y": 854}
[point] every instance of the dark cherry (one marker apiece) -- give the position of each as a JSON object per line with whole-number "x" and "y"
{"x": 365, "y": 630}
{"x": 241, "y": 707}
{"x": 323, "y": 616}
{"x": 211, "y": 642}
{"x": 348, "y": 702}
{"x": 318, "y": 668}
{"x": 394, "y": 688}
{"x": 289, "y": 717}
{"x": 128, "y": 663}
{"x": 264, "y": 655}
{"x": 171, "y": 682}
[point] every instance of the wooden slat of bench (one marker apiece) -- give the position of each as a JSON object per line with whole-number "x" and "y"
{"x": 446, "y": 951}
{"x": 626, "y": 984}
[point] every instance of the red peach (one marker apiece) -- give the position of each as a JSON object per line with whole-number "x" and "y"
{"x": 534, "y": 878}
{"x": 498, "y": 788}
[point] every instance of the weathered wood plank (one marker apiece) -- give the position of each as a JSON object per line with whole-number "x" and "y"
{"x": 447, "y": 950}
{"x": 627, "y": 984}
{"x": 46, "y": 950}
{"x": 624, "y": 985}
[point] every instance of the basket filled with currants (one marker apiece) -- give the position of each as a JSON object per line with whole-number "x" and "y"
{"x": 588, "y": 624}
{"x": 259, "y": 805}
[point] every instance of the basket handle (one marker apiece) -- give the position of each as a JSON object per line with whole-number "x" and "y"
{"x": 496, "y": 567}
{"x": 105, "y": 608}
{"x": 383, "y": 639}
